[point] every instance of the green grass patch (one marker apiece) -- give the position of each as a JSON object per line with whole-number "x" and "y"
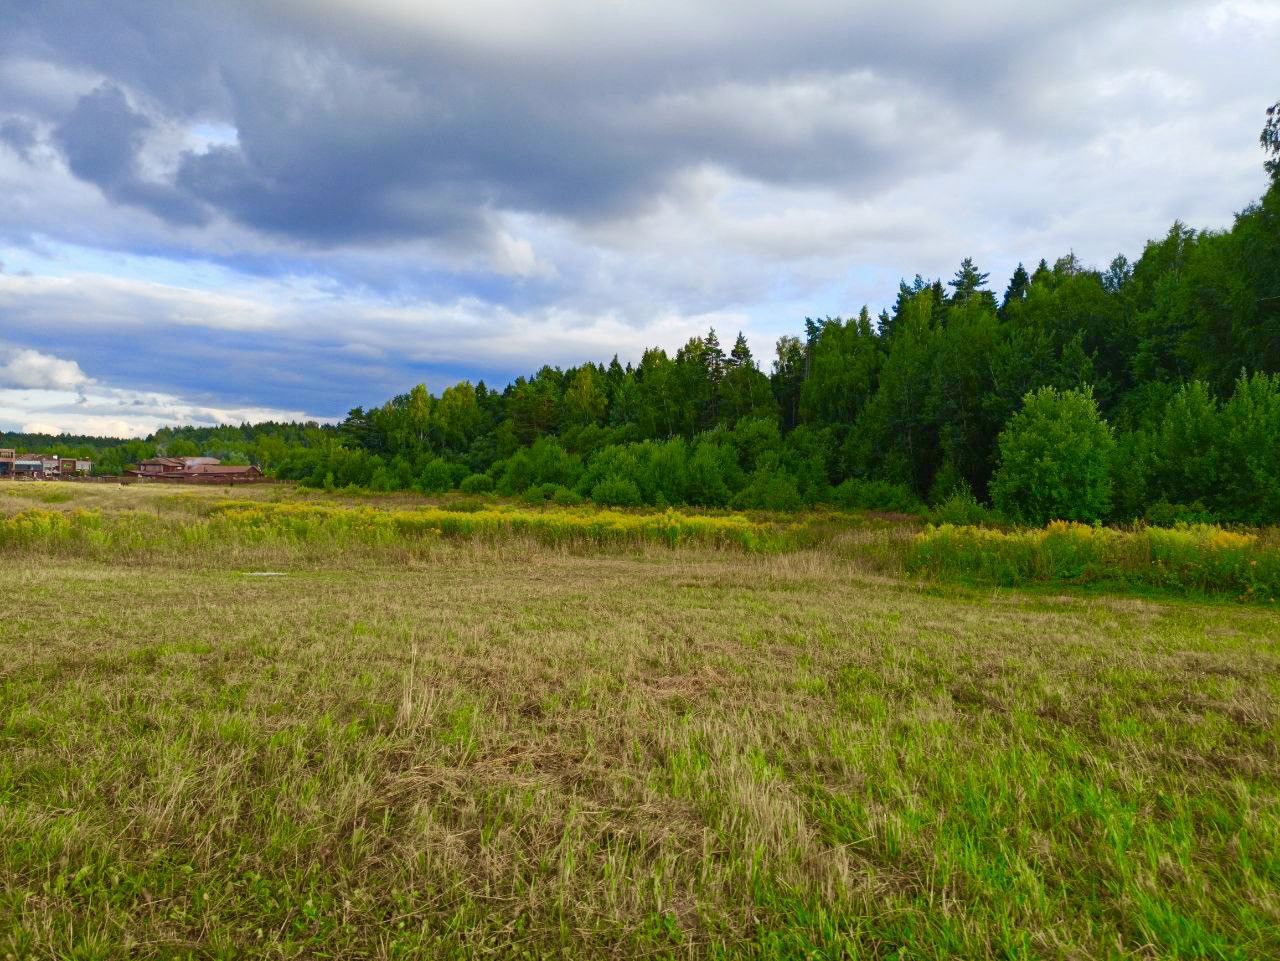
{"x": 497, "y": 747}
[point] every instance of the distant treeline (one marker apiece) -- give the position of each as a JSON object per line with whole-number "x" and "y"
{"x": 266, "y": 444}
{"x": 905, "y": 407}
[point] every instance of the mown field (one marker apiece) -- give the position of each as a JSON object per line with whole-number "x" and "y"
{"x": 758, "y": 738}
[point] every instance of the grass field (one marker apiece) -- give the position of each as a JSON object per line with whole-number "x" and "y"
{"x": 510, "y": 746}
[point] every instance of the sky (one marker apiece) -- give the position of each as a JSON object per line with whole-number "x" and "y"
{"x": 238, "y": 210}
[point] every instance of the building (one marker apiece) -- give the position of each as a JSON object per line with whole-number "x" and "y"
{"x": 70, "y": 466}
{"x": 28, "y": 465}
{"x": 158, "y": 466}
{"x": 7, "y": 458}
{"x": 196, "y": 470}
{"x": 223, "y": 474}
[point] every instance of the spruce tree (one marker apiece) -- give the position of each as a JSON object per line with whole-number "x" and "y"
{"x": 1017, "y": 289}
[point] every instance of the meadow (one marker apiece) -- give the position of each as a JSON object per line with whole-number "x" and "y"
{"x": 465, "y": 728}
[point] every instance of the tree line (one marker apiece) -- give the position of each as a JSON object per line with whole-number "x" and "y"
{"x": 267, "y": 444}
{"x": 1172, "y": 357}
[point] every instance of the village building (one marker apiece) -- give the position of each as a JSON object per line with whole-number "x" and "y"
{"x": 71, "y": 466}
{"x": 28, "y": 466}
{"x": 15, "y": 466}
{"x": 195, "y": 470}
{"x": 155, "y": 466}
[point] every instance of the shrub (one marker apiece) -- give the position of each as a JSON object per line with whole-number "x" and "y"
{"x": 1248, "y": 442}
{"x": 436, "y": 477}
{"x": 855, "y": 494}
{"x": 711, "y": 468}
{"x": 546, "y": 462}
{"x": 770, "y": 490}
{"x": 476, "y": 484}
{"x": 550, "y": 493}
{"x": 537, "y": 494}
{"x": 962, "y": 509}
{"x": 1164, "y": 514}
{"x": 947, "y": 482}
{"x": 616, "y": 491}
{"x": 566, "y": 497}
{"x": 1055, "y": 459}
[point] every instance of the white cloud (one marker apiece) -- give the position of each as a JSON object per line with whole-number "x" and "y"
{"x": 115, "y": 412}
{"x": 26, "y": 368}
{"x": 100, "y": 301}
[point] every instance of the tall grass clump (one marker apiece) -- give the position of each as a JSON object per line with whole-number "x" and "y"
{"x": 238, "y": 525}
{"x": 587, "y": 527}
{"x": 81, "y": 532}
{"x": 1193, "y": 558}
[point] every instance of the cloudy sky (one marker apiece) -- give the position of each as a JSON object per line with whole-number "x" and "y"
{"x": 216, "y": 211}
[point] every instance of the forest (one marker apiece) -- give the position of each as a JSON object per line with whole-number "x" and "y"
{"x": 1146, "y": 390}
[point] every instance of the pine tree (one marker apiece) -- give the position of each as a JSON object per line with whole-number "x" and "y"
{"x": 968, "y": 281}
{"x": 714, "y": 356}
{"x": 1017, "y": 289}
{"x": 1042, "y": 275}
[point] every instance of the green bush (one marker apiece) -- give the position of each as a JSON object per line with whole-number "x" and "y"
{"x": 1055, "y": 460}
{"x": 436, "y": 477}
{"x": 537, "y": 494}
{"x": 566, "y": 497}
{"x": 769, "y": 490}
{"x": 962, "y": 509}
{"x": 947, "y": 482}
{"x": 616, "y": 491}
{"x": 550, "y": 493}
{"x": 1164, "y": 514}
{"x": 476, "y": 484}
{"x": 855, "y": 494}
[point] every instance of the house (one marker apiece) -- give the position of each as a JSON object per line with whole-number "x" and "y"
{"x": 40, "y": 466}
{"x": 70, "y": 466}
{"x": 28, "y": 465}
{"x": 196, "y": 470}
{"x": 171, "y": 465}
{"x": 223, "y": 474}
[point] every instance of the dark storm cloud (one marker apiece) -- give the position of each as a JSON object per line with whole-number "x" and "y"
{"x": 355, "y": 129}
{"x": 101, "y": 138}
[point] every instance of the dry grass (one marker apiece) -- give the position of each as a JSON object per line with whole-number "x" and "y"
{"x": 513, "y": 750}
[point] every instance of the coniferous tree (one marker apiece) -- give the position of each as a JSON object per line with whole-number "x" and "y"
{"x": 968, "y": 281}
{"x": 1016, "y": 292}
